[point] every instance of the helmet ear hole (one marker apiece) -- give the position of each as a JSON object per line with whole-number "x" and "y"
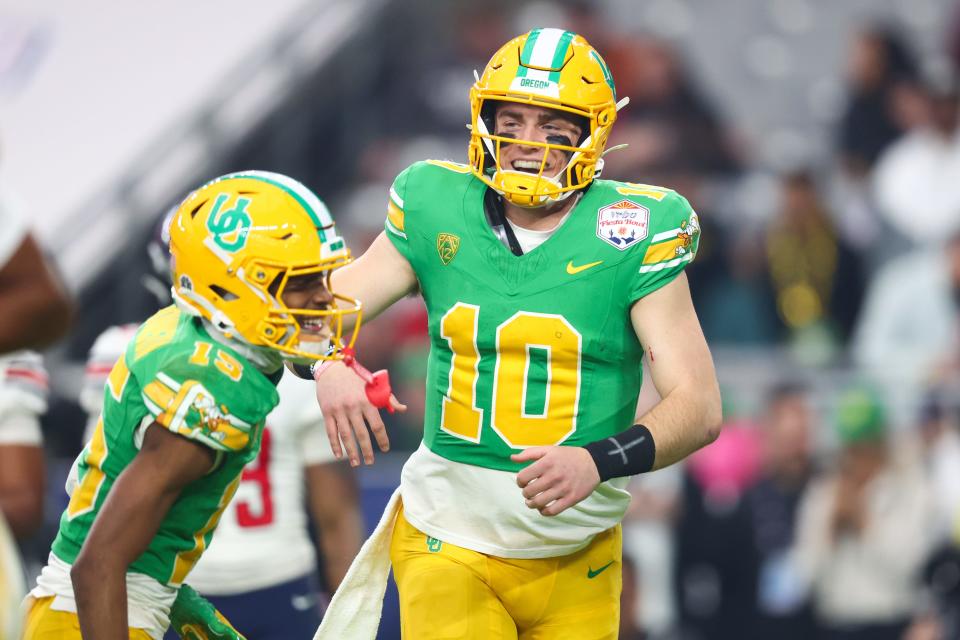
{"x": 274, "y": 286}
{"x": 488, "y": 113}
{"x": 196, "y": 209}
{"x": 226, "y": 296}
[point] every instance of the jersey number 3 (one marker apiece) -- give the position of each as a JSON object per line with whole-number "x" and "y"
{"x": 523, "y": 413}
{"x": 259, "y": 475}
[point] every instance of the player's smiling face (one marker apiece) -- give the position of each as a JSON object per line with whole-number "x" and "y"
{"x": 310, "y": 292}
{"x": 537, "y": 124}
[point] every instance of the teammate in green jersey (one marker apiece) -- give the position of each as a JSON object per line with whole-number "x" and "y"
{"x": 544, "y": 288}
{"x": 184, "y": 406}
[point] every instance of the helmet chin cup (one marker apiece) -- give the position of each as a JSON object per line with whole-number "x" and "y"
{"x": 527, "y": 190}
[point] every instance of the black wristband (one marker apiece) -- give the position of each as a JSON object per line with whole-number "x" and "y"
{"x": 625, "y": 454}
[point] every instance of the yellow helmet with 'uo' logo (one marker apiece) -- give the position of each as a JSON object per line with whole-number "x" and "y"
{"x": 237, "y": 242}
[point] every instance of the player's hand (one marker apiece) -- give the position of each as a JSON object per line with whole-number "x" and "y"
{"x": 349, "y": 415}
{"x": 560, "y": 478}
{"x": 194, "y": 618}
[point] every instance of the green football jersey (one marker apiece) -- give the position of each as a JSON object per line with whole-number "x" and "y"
{"x": 173, "y": 374}
{"x": 535, "y": 349}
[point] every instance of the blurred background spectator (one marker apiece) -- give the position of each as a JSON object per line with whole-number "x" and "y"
{"x": 865, "y": 530}
{"x": 879, "y": 64}
{"x": 716, "y": 560}
{"x": 910, "y": 318}
{"x": 818, "y": 143}
{"x": 914, "y": 181}
{"x": 787, "y": 465}
{"x": 816, "y": 277}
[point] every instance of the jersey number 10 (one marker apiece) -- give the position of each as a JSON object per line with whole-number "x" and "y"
{"x": 521, "y": 414}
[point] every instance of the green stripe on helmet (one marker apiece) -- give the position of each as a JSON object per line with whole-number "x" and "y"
{"x": 527, "y": 52}
{"x": 560, "y": 54}
{"x": 607, "y": 76}
{"x": 318, "y": 223}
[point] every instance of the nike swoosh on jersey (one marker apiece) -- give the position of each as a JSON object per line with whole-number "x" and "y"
{"x": 572, "y": 270}
{"x": 591, "y": 574}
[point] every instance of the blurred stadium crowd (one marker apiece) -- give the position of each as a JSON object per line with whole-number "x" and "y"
{"x": 820, "y": 145}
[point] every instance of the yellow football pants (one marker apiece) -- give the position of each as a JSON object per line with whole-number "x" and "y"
{"x": 447, "y": 591}
{"x": 43, "y": 623}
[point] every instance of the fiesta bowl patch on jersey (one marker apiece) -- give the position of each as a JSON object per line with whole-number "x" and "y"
{"x": 623, "y": 223}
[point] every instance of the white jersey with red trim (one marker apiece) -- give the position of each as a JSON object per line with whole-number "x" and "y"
{"x": 106, "y": 350}
{"x": 24, "y": 387}
{"x": 262, "y": 538}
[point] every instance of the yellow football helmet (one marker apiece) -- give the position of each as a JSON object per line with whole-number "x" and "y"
{"x": 237, "y": 241}
{"x": 548, "y": 68}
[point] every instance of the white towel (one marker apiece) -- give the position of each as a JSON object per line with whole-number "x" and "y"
{"x": 354, "y": 612}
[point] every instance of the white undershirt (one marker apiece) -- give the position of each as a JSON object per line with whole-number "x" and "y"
{"x": 530, "y": 239}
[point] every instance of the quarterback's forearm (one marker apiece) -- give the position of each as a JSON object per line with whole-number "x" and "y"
{"x": 688, "y": 415}
{"x": 686, "y": 419}
{"x": 378, "y": 278}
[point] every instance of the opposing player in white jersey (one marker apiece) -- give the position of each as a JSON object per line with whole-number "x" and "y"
{"x": 34, "y": 311}
{"x": 260, "y": 570}
{"x": 23, "y": 399}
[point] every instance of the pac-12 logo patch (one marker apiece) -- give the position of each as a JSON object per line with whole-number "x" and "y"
{"x": 623, "y": 224}
{"x": 447, "y": 246}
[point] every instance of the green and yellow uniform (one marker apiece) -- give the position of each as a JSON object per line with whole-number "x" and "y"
{"x": 173, "y": 374}
{"x": 536, "y": 349}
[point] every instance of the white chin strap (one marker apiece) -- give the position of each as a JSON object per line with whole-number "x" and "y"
{"x": 188, "y": 301}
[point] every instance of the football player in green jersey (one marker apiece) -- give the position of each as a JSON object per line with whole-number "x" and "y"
{"x": 544, "y": 286}
{"x": 184, "y": 408}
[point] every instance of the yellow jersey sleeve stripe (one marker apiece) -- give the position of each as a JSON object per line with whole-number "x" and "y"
{"x": 117, "y": 380}
{"x": 456, "y": 167}
{"x": 662, "y": 251}
{"x": 159, "y": 394}
{"x": 395, "y": 216}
